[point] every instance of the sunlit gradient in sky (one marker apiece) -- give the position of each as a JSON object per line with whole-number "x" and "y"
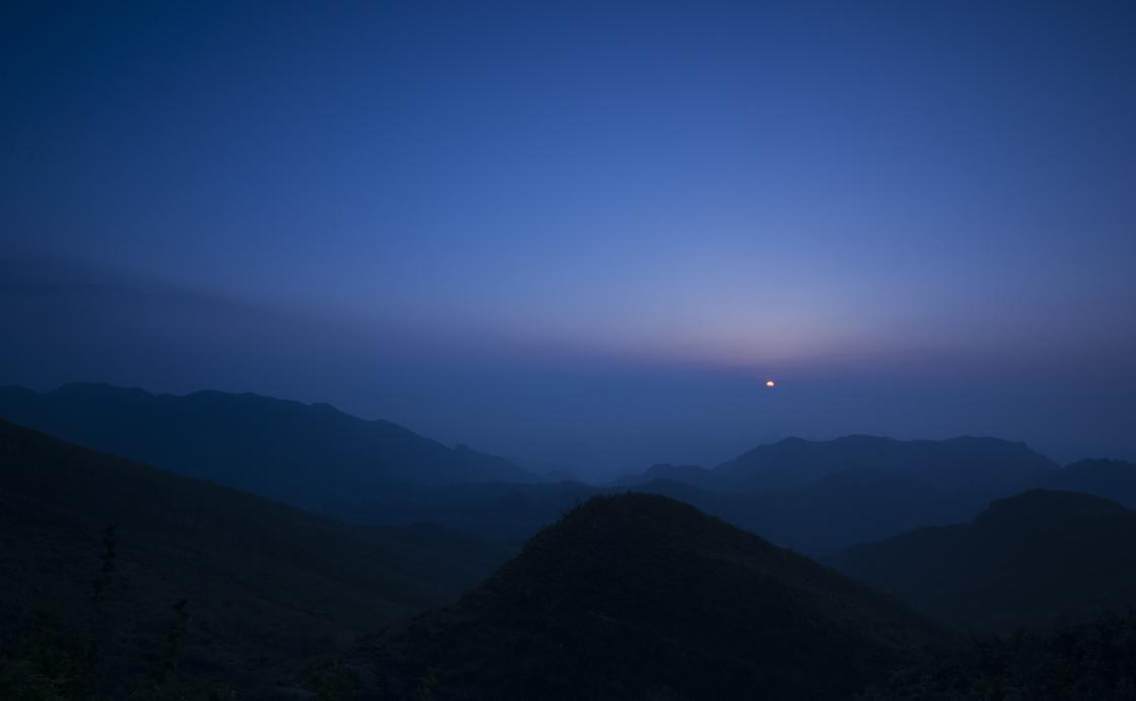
{"x": 583, "y": 234}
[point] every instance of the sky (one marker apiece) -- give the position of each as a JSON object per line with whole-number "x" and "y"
{"x": 583, "y": 235}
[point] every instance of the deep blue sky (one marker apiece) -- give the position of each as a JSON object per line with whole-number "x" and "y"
{"x": 582, "y": 234}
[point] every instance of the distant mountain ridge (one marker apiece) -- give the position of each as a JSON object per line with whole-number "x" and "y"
{"x": 305, "y": 454}
{"x": 820, "y": 496}
{"x": 966, "y": 462}
{"x": 859, "y": 489}
{"x": 643, "y": 597}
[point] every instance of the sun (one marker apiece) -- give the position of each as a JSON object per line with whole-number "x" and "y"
{"x": 770, "y": 384}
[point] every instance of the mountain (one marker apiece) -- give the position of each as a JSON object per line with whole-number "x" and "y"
{"x": 814, "y": 497}
{"x": 640, "y": 596}
{"x": 265, "y": 585}
{"x": 303, "y": 454}
{"x": 1112, "y": 479}
{"x": 823, "y": 496}
{"x": 964, "y": 464}
{"x": 1029, "y": 560}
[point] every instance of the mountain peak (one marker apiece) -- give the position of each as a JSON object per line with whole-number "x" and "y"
{"x": 641, "y": 596}
{"x": 639, "y": 514}
{"x": 1047, "y": 507}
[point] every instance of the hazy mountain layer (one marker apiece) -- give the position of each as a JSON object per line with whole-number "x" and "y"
{"x": 815, "y": 497}
{"x": 306, "y": 454}
{"x": 965, "y": 464}
{"x": 1111, "y": 479}
{"x": 820, "y": 496}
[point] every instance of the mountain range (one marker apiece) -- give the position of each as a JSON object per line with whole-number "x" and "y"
{"x": 303, "y": 454}
{"x": 121, "y": 579}
{"x": 818, "y": 497}
{"x": 965, "y": 464}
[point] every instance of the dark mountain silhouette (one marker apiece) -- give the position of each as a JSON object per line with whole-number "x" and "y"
{"x": 639, "y": 596}
{"x": 305, "y": 454}
{"x": 1112, "y": 479}
{"x": 1033, "y": 559}
{"x": 266, "y": 585}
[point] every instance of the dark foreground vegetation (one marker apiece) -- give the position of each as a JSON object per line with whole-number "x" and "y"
{"x": 1086, "y": 662}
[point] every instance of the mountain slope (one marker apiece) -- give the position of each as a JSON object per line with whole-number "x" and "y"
{"x": 1093, "y": 661}
{"x": 1111, "y": 479}
{"x": 299, "y": 453}
{"x": 1033, "y": 559}
{"x": 266, "y": 584}
{"x": 641, "y": 596}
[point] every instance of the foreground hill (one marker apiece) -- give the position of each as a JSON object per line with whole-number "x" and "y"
{"x": 640, "y": 596}
{"x": 1033, "y": 559}
{"x": 265, "y": 585}
{"x": 305, "y": 454}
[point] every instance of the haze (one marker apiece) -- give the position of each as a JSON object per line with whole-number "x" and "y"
{"x": 583, "y": 237}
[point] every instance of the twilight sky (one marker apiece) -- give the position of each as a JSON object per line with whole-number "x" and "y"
{"x": 582, "y": 234}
